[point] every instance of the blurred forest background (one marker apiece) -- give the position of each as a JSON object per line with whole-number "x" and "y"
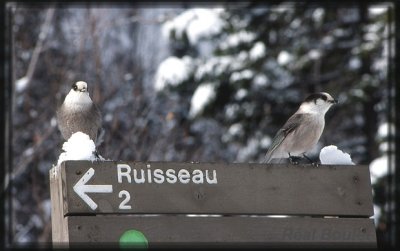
{"x": 196, "y": 83}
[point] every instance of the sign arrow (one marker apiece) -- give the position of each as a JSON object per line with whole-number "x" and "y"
{"x": 82, "y": 189}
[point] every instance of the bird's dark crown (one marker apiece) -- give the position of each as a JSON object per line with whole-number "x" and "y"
{"x": 315, "y": 96}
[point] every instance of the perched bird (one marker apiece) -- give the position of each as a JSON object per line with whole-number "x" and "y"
{"x": 302, "y": 130}
{"x": 79, "y": 113}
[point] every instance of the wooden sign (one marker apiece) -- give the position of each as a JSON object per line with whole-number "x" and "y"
{"x": 113, "y": 187}
{"x": 162, "y": 231}
{"x": 102, "y": 201}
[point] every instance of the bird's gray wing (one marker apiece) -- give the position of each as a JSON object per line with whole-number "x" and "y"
{"x": 291, "y": 125}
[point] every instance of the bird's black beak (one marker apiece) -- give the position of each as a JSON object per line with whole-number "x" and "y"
{"x": 335, "y": 101}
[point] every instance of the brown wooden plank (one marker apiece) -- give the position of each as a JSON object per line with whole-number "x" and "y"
{"x": 58, "y": 221}
{"x": 224, "y": 231}
{"x": 240, "y": 189}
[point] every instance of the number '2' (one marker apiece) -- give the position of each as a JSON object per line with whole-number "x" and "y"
{"x": 124, "y": 194}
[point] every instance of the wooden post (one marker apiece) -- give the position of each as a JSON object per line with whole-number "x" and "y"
{"x": 59, "y": 222}
{"x": 164, "y": 202}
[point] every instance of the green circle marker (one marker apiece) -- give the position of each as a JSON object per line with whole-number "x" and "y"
{"x": 133, "y": 239}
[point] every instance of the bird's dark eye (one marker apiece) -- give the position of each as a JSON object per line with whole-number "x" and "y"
{"x": 74, "y": 87}
{"x": 315, "y": 96}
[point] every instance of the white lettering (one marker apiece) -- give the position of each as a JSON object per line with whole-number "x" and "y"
{"x": 123, "y": 204}
{"x": 159, "y": 176}
{"x": 140, "y": 176}
{"x": 184, "y": 176}
{"x": 213, "y": 180}
{"x": 198, "y": 177}
{"x": 148, "y": 174}
{"x": 135, "y": 178}
{"x": 171, "y": 178}
{"x": 126, "y": 173}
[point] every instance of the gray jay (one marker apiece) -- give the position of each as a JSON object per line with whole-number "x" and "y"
{"x": 302, "y": 130}
{"x": 79, "y": 113}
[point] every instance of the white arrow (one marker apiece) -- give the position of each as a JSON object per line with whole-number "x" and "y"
{"x": 81, "y": 188}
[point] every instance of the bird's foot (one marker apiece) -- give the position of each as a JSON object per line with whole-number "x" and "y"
{"x": 96, "y": 155}
{"x": 294, "y": 160}
{"x": 315, "y": 164}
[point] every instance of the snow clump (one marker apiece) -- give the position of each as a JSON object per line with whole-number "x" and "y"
{"x": 331, "y": 155}
{"x": 78, "y": 147}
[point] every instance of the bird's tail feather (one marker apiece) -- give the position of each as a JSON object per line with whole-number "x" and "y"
{"x": 267, "y": 158}
{"x": 100, "y": 137}
{"x": 276, "y": 142}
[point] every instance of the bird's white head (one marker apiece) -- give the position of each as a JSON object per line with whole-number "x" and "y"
{"x": 317, "y": 103}
{"x": 78, "y": 95}
{"x": 80, "y": 86}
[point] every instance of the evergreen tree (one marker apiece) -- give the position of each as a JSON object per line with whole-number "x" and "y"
{"x": 251, "y": 73}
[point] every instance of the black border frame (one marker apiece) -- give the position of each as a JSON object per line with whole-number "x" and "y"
{"x": 6, "y": 92}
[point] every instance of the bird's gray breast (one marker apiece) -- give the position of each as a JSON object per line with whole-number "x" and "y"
{"x": 306, "y": 134}
{"x": 86, "y": 119}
